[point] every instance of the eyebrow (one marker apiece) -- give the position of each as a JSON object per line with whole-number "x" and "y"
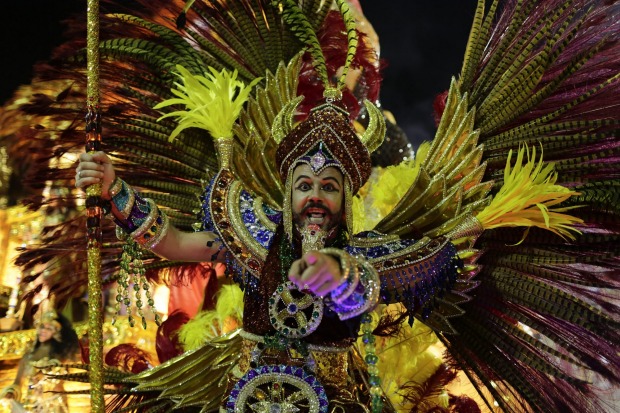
{"x": 327, "y": 178}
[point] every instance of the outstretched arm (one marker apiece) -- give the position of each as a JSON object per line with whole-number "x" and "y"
{"x": 174, "y": 245}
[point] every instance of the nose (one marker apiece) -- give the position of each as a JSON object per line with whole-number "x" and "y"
{"x": 315, "y": 194}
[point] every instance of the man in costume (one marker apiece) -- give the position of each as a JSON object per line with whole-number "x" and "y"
{"x": 533, "y": 308}
{"x": 304, "y": 300}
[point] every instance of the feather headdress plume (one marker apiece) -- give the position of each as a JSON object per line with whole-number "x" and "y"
{"x": 299, "y": 24}
{"x": 212, "y": 102}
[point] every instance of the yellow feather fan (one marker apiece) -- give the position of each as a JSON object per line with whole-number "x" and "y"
{"x": 526, "y": 198}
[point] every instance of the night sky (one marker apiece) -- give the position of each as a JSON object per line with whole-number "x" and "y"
{"x": 422, "y": 43}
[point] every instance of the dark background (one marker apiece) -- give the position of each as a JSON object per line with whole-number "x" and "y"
{"x": 422, "y": 43}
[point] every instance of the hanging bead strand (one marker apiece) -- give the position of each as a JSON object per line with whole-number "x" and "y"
{"x": 376, "y": 394}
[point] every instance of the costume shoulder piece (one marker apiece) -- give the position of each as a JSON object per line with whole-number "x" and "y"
{"x": 243, "y": 222}
{"x": 414, "y": 271}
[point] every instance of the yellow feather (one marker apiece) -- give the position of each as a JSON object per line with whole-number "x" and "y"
{"x": 409, "y": 358}
{"x": 527, "y": 197}
{"x": 384, "y": 189}
{"x": 212, "y": 102}
{"x": 207, "y": 325}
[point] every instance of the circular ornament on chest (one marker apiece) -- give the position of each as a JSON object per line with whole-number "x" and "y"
{"x": 294, "y": 313}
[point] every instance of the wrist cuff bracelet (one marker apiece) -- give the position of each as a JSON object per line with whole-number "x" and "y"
{"x": 359, "y": 290}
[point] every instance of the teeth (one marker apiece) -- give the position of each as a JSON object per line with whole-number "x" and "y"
{"x": 315, "y": 219}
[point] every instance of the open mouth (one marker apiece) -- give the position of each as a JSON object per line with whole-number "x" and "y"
{"x": 316, "y": 216}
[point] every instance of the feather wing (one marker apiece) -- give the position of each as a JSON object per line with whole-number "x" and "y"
{"x": 179, "y": 383}
{"x": 544, "y": 316}
{"x": 140, "y": 52}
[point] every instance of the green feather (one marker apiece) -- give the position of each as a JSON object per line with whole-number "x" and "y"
{"x": 352, "y": 40}
{"x": 303, "y": 29}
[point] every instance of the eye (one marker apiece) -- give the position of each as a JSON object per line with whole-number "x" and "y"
{"x": 304, "y": 186}
{"x": 330, "y": 188}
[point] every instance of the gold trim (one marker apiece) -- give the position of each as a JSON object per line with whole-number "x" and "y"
{"x": 381, "y": 239}
{"x": 232, "y": 235}
{"x": 402, "y": 261}
{"x": 234, "y": 213}
{"x": 224, "y": 148}
{"x": 405, "y": 251}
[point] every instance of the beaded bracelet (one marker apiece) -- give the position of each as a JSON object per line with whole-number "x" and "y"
{"x": 142, "y": 218}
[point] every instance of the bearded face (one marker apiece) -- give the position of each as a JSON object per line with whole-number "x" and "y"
{"x": 317, "y": 199}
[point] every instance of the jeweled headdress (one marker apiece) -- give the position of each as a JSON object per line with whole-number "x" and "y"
{"x": 326, "y": 137}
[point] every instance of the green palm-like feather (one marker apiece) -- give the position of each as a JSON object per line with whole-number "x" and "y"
{"x": 254, "y": 132}
{"x": 352, "y": 39}
{"x": 299, "y": 24}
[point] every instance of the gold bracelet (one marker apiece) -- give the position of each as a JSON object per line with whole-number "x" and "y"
{"x": 153, "y": 229}
{"x": 115, "y": 186}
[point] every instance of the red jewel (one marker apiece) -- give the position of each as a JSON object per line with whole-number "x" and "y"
{"x": 253, "y": 264}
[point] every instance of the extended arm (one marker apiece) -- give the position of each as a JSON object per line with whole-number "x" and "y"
{"x": 172, "y": 244}
{"x": 350, "y": 284}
